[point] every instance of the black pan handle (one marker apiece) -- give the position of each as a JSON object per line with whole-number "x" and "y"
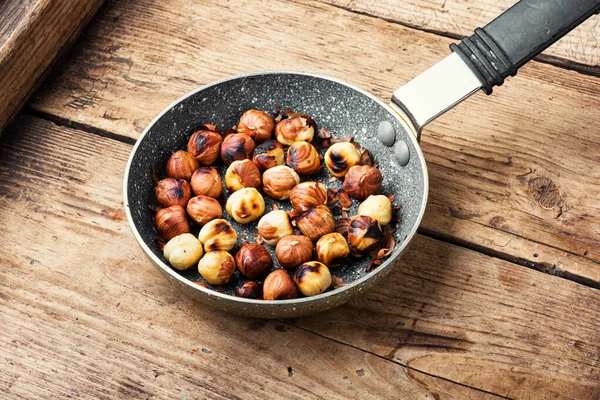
{"x": 518, "y": 35}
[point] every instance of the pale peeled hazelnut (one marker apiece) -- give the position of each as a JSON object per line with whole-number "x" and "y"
{"x": 257, "y": 124}
{"x": 172, "y": 191}
{"x": 218, "y": 234}
{"x": 203, "y": 209}
{"x": 279, "y": 181}
{"x": 295, "y": 129}
{"x": 253, "y": 261}
{"x": 364, "y": 233}
{"x": 362, "y": 181}
{"x": 268, "y": 155}
{"x": 245, "y": 205}
{"x": 207, "y": 182}
{"x": 171, "y": 221}
{"x": 332, "y": 249}
{"x": 183, "y": 251}
{"x": 236, "y": 146}
{"x": 294, "y": 250}
{"x": 182, "y": 165}
{"x": 216, "y": 267}
{"x": 312, "y": 278}
{"x": 205, "y": 145}
{"x": 303, "y": 158}
{"x": 316, "y": 222}
{"x": 241, "y": 174}
{"x": 340, "y": 157}
{"x": 249, "y": 290}
{"x": 279, "y": 286}
{"x": 275, "y": 225}
{"x": 378, "y": 207}
{"x": 307, "y": 195}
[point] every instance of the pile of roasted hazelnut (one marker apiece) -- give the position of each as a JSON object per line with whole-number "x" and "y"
{"x": 255, "y": 161}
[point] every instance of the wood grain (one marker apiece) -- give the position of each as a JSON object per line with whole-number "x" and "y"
{"x": 513, "y": 174}
{"x": 458, "y": 18}
{"x": 110, "y": 325}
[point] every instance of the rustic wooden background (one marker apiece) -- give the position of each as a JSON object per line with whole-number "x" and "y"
{"x": 498, "y": 297}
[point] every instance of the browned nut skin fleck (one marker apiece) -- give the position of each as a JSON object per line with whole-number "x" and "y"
{"x": 257, "y": 124}
{"x": 332, "y": 249}
{"x": 307, "y": 195}
{"x": 171, "y": 221}
{"x": 241, "y": 174}
{"x": 172, "y": 191}
{"x": 279, "y": 286}
{"x": 253, "y": 261}
{"x": 364, "y": 233}
{"x": 203, "y": 209}
{"x": 312, "y": 278}
{"x": 268, "y": 155}
{"x": 249, "y": 290}
{"x": 303, "y": 158}
{"x": 362, "y": 181}
{"x": 237, "y": 146}
{"x": 182, "y": 165}
{"x": 207, "y": 182}
{"x": 205, "y": 145}
{"x": 293, "y": 250}
{"x": 316, "y": 222}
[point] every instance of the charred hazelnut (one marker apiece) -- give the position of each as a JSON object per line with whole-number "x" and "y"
{"x": 362, "y": 181}
{"x": 377, "y": 207}
{"x": 182, "y": 165}
{"x": 241, "y": 174}
{"x": 183, "y": 251}
{"x": 279, "y": 181}
{"x": 172, "y": 191}
{"x": 268, "y": 155}
{"x": 294, "y": 250}
{"x": 237, "y": 146}
{"x": 279, "y": 286}
{"x": 249, "y": 290}
{"x": 316, "y": 222}
{"x": 245, "y": 205}
{"x": 340, "y": 157}
{"x": 171, "y": 221}
{"x": 332, "y": 249}
{"x": 217, "y": 235}
{"x": 303, "y": 158}
{"x": 364, "y": 233}
{"x": 312, "y": 278}
{"x": 295, "y": 129}
{"x": 257, "y": 124}
{"x": 253, "y": 261}
{"x": 203, "y": 209}
{"x": 205, "y": 145}
{"x": 216, "y": 267}
{"x": 207, "y": 182}
{"x": 275, "y": 225}
{"x": 307, "y": 195}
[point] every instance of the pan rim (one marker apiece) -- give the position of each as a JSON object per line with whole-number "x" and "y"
{"x": 303, "y": 300}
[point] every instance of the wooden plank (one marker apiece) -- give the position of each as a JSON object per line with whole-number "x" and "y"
{"x": 110, "y": 325}
{"x": 512, "y": 174}
{"x": 33, "y": 33}
{"x": 458, "y": 18}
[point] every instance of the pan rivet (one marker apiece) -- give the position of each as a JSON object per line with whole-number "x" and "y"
{"x": 402, "y": 153}
{"x": 386, "y": 133}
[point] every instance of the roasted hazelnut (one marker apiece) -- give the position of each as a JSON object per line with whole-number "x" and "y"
{"x": 316, "y": 222}
{"x": 295, "y": 129}
{"x": 172, "y": 191}
{"x": 217, "y": 235}
{"x": 245, "y": 205}
{"x": 364, "y": 233}
{"x": 237, "y": 146}
{"x": 249, "y": 290}
{"x": 257, "y": 124}
{"x": 279, "y": 286}
{"x": 378, "y": 207}
{"x": 203, "y": 209}
{"x": 340, "y": 157}
{"x": 171, "y": 221}
{"x": 216, "y": 267}
{"x": 303, "y": 158}
{"x": 268, "y": 155}
{"x": 183, "y": 251}
{"x": 279, "y": 181}
{"x": 241, "y": 174}
{"x": 207, "y": 182}
{"x": 294, "y": 250}
{"x": 307, "y": 195}
{"x": 275, "y": 225}
{"x": 253, "y": 261}
{"x": 332, "y": 249}
{"x": 312, "y": 278}
{"x": 362, "y": 181}
{"x": 205, "y": 145}
{"x": 182, "y": 165}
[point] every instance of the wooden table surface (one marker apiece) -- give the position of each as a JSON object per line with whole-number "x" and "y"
{"x": 499, "y": 297}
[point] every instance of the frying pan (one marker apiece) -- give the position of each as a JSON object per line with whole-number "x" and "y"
{"x": 391, "y": 134}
